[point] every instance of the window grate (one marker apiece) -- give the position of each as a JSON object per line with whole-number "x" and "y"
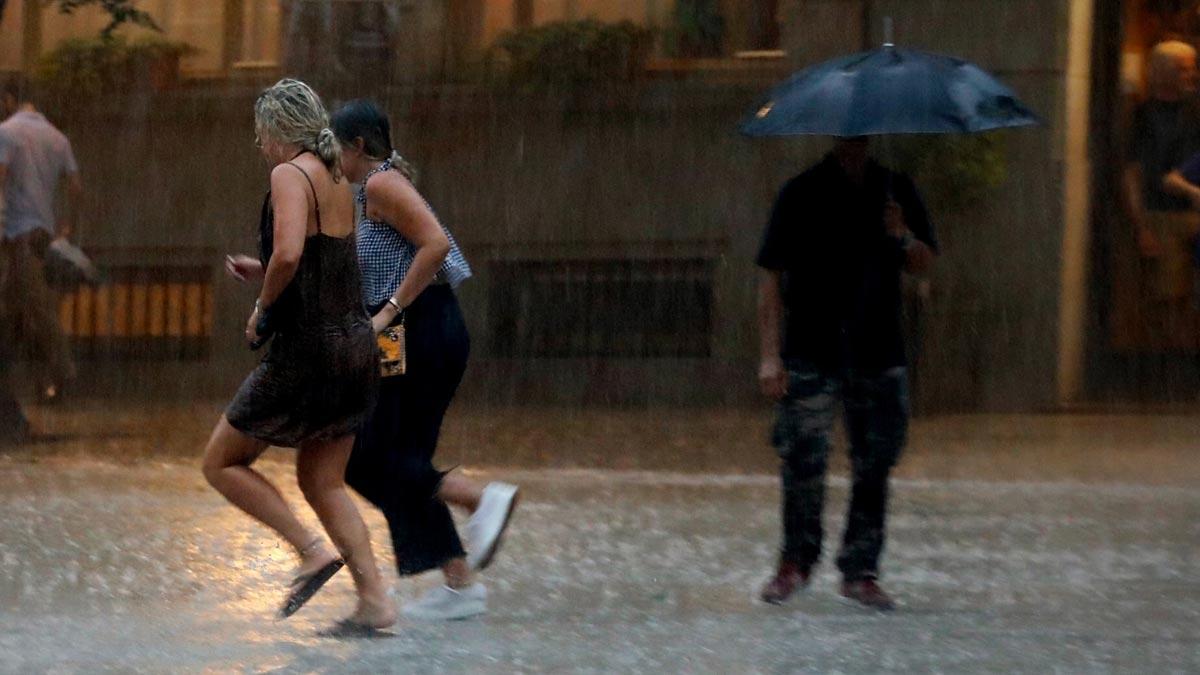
{"x": 150, "y": 313}
{"x": 601, "y": 308}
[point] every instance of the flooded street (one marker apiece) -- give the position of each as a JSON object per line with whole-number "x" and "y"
{"x": 603, "y": 235}
{"x": 1149, "y": 449}
{"x": 1016, "y": 545}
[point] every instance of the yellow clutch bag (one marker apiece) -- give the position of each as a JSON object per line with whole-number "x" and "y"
{"x": 392, "y": 359}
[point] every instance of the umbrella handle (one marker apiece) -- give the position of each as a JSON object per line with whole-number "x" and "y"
{"x": 887, "y": 32}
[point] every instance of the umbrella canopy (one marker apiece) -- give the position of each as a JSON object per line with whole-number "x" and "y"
{"x": 888, "y": 91}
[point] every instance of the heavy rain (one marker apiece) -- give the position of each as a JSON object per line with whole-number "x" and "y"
{"x": 704, "y": 336}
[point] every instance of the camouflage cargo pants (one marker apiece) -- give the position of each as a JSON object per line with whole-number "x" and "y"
{"x": 876, "y": 416}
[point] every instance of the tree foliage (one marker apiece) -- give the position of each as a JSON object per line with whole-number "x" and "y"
{"x": 120, "y": 12}
{"x": 571, "y": 54}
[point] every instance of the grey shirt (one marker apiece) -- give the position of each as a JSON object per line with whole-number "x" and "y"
{"x": 37, "y": 156}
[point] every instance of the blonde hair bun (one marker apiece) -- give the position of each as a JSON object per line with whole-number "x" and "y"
{"x": 290, "y": 111}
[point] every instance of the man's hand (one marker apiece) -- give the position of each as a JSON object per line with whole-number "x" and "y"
{"x": 893, "y": 219}
{"x": 772, "y": 378}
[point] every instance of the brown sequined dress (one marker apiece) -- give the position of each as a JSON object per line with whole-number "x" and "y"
{"x": 319, "y": 376}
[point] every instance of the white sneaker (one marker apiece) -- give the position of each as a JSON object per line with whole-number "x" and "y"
{"x": 448, "y": 604}
{"x": 485, "y": 529}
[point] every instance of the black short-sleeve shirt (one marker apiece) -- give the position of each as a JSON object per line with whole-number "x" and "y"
{"x": 1162, "y": 136}
{"x": 841, "y": 271}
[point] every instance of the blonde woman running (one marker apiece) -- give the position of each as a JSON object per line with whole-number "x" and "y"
{"x": 314, "y": 387}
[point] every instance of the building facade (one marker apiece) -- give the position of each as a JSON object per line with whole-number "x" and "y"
{"x": 613, "y": 233}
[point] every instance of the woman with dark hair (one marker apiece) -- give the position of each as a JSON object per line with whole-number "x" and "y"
{"x": 411, "y": 266}
{"x": 315, "y": 387}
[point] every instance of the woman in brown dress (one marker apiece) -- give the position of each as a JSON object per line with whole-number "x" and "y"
{"x": 314, "y": 387}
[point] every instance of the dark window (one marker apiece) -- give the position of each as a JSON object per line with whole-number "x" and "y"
{"x": 697, "y": 29}
{"x": 763, "y": 25}
{"x": 601, "y": 308}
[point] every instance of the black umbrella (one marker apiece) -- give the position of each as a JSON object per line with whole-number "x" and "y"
{"x": 888, "y": 91}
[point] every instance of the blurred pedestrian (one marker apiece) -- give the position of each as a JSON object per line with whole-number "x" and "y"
{"x": 411, "y": 266}
{"x": 1153, "y": 274}
{"x": 838, "y": 240}
{"x": 1165, "y": 132}
{"x": 316, "y": 385}
{"x": 35, "y": 161}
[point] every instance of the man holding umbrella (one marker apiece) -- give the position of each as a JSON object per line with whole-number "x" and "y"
{"x": 841, "y": 235}
{"x": 829, "y": 310}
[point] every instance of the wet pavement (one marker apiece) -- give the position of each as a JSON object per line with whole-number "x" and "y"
{"x": 1154, "y": 449}
{"x": 1018, "y": 544}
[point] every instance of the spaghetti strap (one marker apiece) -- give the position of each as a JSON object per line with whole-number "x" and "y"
{"x": 316, "y": 204}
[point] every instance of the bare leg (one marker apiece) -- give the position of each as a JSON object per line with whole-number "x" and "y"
{"x": 320, "y": 469}
{"x": 227, "y": 460}
{"x": 457, "y": 573}
{"x": 463, "y": 492}
{"x": 460, "y": 491}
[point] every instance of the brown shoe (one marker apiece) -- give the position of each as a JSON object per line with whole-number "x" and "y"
{"x": 789, "y": 578}
{"x": 868, "y": 593}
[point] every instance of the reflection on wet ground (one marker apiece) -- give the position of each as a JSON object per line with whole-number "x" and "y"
{"x": 1144, "y": 449}
{"x": 1018, "y": 544}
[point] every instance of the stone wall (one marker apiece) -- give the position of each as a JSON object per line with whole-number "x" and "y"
{"x": 656, "y": 172}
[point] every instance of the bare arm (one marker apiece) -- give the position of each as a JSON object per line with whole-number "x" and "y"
{"x": 3, "y": 179}
{"x": 1174, "y": 183}
{"x": 75, "y": 204}
{"x": 395, "y": 201}
{"x": 1132, "y": 188}
{"x": 1135, "y": 210}
{"x": 289, "y": 197}
{"x": 772, "y": 377}
{"x": 69, "y": 225}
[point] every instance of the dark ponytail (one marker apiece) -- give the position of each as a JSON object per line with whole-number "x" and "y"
{"x": 363, "y": 118}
